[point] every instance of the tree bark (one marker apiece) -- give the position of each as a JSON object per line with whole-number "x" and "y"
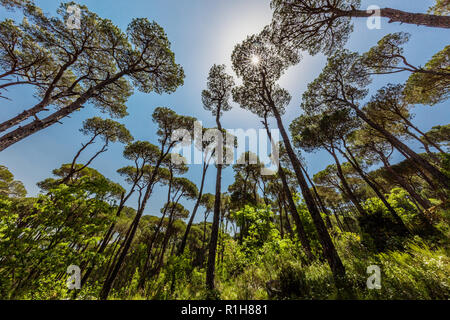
{"x": 280, "y": 212}
{"x": 288, "y": 222}
{"x": 320, "y": 202}
{"x": 46, "y": 100}
{"x": 21, "y": 117}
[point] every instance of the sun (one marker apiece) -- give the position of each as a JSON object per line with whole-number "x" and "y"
{"x": 255, "y": 60}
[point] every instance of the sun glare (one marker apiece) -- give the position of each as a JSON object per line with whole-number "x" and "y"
{"x": 255, "y": 60}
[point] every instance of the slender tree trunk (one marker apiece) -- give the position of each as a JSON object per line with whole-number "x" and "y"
{"x": 288, "y": 222}
{"x": 194, "y": 212}
{"x": 214, "y": 233}
{"x": 165, "y": 243}
{"x": 286, "y": 217}
{"x": 421, "y": 174}
{"x": 222, "y": 237}
{"x": 426, "y": 142}
{"x": 294, "y": 213}
{"x": 146, "y": 267}
{"x": 211, "y": 266}
{"x": 280, "y": 209}
{"x": 338, "y": 221}
{"x": 430, "y": 229}
{"x": 345, "y": 185}
{"x": 107, "y": 236}
{"x": 204, "y": 237}
{"x": 425, "y": 136}
{"x": 123, "y": 252}
{"x": 319, "y": 199}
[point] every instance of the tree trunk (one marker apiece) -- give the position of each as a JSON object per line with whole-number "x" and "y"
{"x": 318, "y": 198}
{"x": 430, "y": 229}
{"x": 146, "y": 268}
{"x": 422, "y": 175}
{"x": 288, "y": 222}
{"x": 345, "y": 185}
{"x": 424, "y": 135}
{"x": 280, "y": 212}
{"x": 214, "y": 233}
{"x": 395, "y": 15}
{"x": 107, "y": 236}
{"x": 338, "y": 221}
{"x": 211, "y": 267}
{"x": 165, "y": 243}
{"x": 194, "y": 212}
{"x": 21, "y": 117}
{"x": 46, "y": 100}
{"x": 23, "y": 132}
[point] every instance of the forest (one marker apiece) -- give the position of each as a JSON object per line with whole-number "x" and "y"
{"x": 372, "y": 224}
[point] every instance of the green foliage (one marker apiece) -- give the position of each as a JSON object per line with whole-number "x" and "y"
{"x": 260, "y": 227}
{"x": 82, "y": 218}
{"x": 8, "y": 186}
{"x": 66, "y": 220}
{"x": 441, "y": 8}
{"x": 428, "y": 88}
{"x": 313, "y": 26}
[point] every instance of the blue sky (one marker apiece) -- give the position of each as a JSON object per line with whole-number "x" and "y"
{"x": 203, "y": 33}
